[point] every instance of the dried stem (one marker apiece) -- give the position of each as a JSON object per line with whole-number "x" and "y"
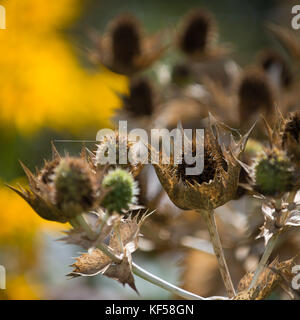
{"x": 137, "y": 270}
{"x": 209, "y": 218}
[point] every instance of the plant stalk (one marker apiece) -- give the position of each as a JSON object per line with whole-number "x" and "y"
{"x": 264, "y": 259}
{"x": 136, "y": 269}
{"x": 209, "y": 218}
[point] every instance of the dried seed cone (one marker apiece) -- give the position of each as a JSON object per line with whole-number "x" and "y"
{"x": 125, "y": 49}
{"x": 122, "y": 191}
{"x": 255, "y": 95}
{"x": 74, "y": 187}
{"x": 125, "y": 32}
{"x": 197, "y": 29}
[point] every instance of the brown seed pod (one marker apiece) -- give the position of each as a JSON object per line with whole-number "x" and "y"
{"x": 216, "y": 185}
{"x": 111, "y": 143}
{"x": 64, "y": 188}
{"x": 125, "y": 49}
{"x": 197, "y": 35}
{"x": 255, "y": 95}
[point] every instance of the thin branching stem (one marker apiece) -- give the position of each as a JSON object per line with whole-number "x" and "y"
{"x": 209, "y": 218}
{"x": 137, "y": 270}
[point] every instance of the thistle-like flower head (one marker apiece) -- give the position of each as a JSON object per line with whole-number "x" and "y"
{"x": 64, "y": 188}
{"x": 110, "y": 144}
{"x": 272, "y": 173}
{"x": 197, "y": 35}
{"x": 218, "y": 182}
{"x": 122, "y": 191}
{"x": 255, "y": 95}
{"x": 125, "y": 49}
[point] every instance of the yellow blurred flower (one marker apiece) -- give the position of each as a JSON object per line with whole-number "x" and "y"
{"x": 19, "y": 288}
{"x": 43, "y": 83}
{"x": 17, "y": 218}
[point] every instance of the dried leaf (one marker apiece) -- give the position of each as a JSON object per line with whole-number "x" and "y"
{"x": 91, "y": 263}
{"x": 269, "y": 279}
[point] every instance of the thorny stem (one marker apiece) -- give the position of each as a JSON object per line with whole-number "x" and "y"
{"x": 269, "y": 248}
{"x": 209, "y": 218}
{"x": 137, "y": 270}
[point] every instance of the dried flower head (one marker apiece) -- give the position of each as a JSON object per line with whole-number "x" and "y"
{"x": 109, "y": 147}
{"x": 125, "y": 49}
{"x": 218, "y": 182}
{"x": 64, "y": 188}
{"x": 197, "y": 35}
{"x": 255, "y": 95}
{"x": 140, "y": 101}
{"x": 122, "y": 191}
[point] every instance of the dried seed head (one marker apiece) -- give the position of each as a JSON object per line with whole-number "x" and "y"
{"x": 122, "y": 191}
{"x": 218, "y": 182}
{"x": 47, "y": 173}
{"x": 197, "y": 30}
{"x": 110, "y": 144}
{"x": 125, "y": 33}
{"x": 273, "y": 173}
{"x": 140, "y": 101}
{"x": 124, "y": 48}
{"x": 212, "y": 160}
{"x": 64, "y": 188}
{"x": 273, "y": 63}
{"x": 255, "y": 95}
{"x": 74, "y": 186}
{"x": 291, "y": 137}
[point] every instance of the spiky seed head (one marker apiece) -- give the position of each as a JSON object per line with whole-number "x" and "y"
{"x": 111, "y": 142}
{"x": 255, "y": 95}
{"x": 74, "y": 186}
{"x": 47, "y": 173}
{"x": 218, "y": 182}
{"x": 198, "y": 26}
{"x": 125, "y": 34}
{"x": 122, "y": 191}
{"x": 273, "y": 173}
{"x": 140, "y": 101}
